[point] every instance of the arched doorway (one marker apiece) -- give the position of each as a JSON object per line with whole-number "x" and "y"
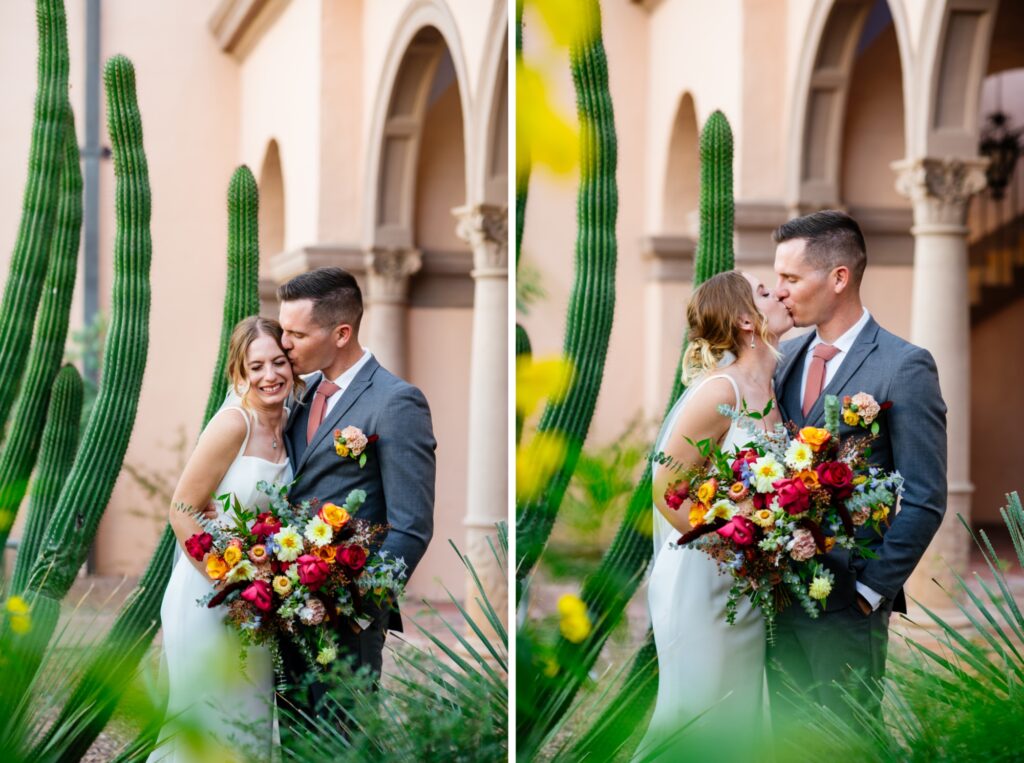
{"x": 682, "y": 171}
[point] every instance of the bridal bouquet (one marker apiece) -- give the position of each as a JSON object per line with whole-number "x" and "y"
{"x": 769, "y": 511}
{"x": 299, "y": 572}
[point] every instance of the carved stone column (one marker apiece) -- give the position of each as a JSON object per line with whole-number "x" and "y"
{"x": 940, "y": 190}
{"x": 485, "y": 228}
{"x": 388, "y": 272}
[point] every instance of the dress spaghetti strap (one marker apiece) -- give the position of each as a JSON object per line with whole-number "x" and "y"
{"x": 248, "y": 427}
{"x": 735, "y": 387}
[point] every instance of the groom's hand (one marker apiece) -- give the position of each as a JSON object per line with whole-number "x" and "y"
{"x": 863, "y": 605}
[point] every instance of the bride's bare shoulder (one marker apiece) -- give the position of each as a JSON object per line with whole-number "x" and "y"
{"x": 226, "y": 429}
{"x": 702, "y": 407}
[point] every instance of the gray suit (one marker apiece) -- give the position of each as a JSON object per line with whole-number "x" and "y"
{"x": 913, "y": 441}
{"x": 398, "y": 479}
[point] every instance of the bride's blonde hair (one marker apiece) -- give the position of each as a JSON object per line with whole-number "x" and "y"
{"x": 713, "y": 317}
{"x": 247, "y": 331}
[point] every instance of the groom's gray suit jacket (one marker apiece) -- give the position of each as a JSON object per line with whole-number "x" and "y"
{"x": 912, "y": 440}
{"x": 399, "y": 473}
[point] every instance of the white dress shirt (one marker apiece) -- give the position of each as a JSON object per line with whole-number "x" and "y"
{"x": 843, "y": 344}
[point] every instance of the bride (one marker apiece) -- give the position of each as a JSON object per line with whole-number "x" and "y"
{"x": 710, "y": 672}
{"x": 218, "y": 708}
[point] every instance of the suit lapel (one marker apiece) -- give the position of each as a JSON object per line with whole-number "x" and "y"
{"x": 862, "y": 347}
{"x": 352, "y": 393}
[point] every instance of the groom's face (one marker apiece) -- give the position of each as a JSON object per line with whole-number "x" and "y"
{"x": 310, "y": 346}
{"x": 802, "y": 288}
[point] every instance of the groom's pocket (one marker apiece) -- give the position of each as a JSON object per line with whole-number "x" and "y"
{"x": 844, "y": 587}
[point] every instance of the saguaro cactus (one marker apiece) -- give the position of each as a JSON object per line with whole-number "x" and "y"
{"x": 22, "y": 445}
{"x": 592, "y": 301}
{"x": 39, "y": 208}
{"x": 60, "y": 441}
{"x": 715, "y": 244}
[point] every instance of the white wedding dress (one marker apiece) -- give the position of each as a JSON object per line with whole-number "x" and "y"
{"x": 215, "y": 708}
{"x": 705, "y": 665}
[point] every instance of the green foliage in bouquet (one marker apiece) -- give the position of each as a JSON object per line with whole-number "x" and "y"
{"x": 445, "y": 704}
{"x": 21, "y": 447}
{"x": 608, "y": 590}
{"x": 592, "y": 299}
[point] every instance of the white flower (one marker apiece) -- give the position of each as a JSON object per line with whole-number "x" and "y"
{"x": 820, "y": 588}
{"x": 799, "y": 455}
{"x": 318, "y": 532}
{"x": 289, "y": 544}
{"x": 723, "y": 508}
{"x": 766, "y": 470}
{"x": 292, "y": 573}
{"x": 244, "y": 570}
{"x": 327, "y": 655}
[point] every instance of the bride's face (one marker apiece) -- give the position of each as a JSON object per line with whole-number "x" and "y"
{"x": 268, "y": 372}
{"x": 778, "y": 317}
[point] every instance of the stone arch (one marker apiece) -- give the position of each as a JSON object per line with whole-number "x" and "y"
{"x": 426, "y": 35}
{"x": 822, "y": 85}
{"x": 681, "y": 195}
{"x": 271, "y": 221}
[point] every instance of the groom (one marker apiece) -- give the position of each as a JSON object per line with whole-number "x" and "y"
{"x": 320, "y": 314}
{"x": 820, "y": 261}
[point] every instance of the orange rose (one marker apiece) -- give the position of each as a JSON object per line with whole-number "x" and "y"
{"x": 697, "y": 515}
{"x": 326, "y": 553}
{"x": 809, "y": 477}
{"x": 830, "y": 542}
{"x": 814, "y": 437}
{"x": 216, "y": 567}
{"x": 335, "y": 516}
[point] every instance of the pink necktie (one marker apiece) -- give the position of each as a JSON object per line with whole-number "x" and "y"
{"x": 823, "y": 353}
{"x": 324, "y": 390}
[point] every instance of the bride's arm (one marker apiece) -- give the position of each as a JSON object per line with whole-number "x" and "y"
{"x": 206, "y": 467}
{"x": 698, "y": 420}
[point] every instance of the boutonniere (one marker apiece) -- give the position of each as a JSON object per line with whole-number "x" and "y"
{"x": 350, "y": 442}
{"x": 862, "y": 410}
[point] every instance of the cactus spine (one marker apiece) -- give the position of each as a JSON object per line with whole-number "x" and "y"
{"x": 608, "y": 590}
{"x": 88, "y": 486}
{"x": 592, "y": 301}
{"x": 32, "y": 246}
{"x": 243, "y": 297}
{"x": 139, "y": 619}
{"x": 60, "y": 440}
{"x": 22, "y": 444}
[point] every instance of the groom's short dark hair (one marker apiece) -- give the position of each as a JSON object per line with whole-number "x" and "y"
{"x": 334, "y": 292}
{"x": 833, "y": 238}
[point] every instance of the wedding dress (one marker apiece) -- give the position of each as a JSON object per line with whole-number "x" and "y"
{"x": 214, "y": 704}
{"x": 705, "y": 665}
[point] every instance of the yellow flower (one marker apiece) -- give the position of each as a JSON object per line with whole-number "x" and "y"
{"x": 17, "y": 606}
{"x": 282, "y": 585}
{"x": 570, "y": 604}
{"x": 336, "y": 516}
{"x": 216, "y": 567}
{"x": 20, "y": 620}
{"x": 799, "y": 455}
{"x": 326, "y": 553}
{"x": 880, "y": 514}
{"x": 763, "y": 518}
{"x": 341, "y": 449}
{"x": 814, "y": 437}
{"x": 697, "y": 515}
{"x": 851, "y": 417}
{"x": 830, "y": 543}
{"x": 536, "y": 462}
{"x": 327, "y": 655}
{"x": 550, "y": 667}
{"x": 766, "y": 470}
{"x": 575, "y": 623}
{"x": 820, "y": 588}
{"x": 706, "y": 492}
{"x": 724, "y": 509}
{"x": 859, "y": 479}
{"x": 232, "y": 555}
{"x": 537, "y": 380}
{"x": 290, "y": 544}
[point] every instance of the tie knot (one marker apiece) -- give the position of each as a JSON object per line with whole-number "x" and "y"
{"x": 326, "y": 388}
{"x": 825, "y": 351}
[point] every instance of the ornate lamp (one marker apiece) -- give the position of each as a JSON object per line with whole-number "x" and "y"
{"x": 1002, "y": 147}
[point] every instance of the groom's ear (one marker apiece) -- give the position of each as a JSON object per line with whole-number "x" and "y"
{"x": 839, "y": 279}
{"x": 343, "y": 334}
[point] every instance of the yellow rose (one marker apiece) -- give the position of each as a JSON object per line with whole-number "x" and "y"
{"x": 697, "y": 514}
{"x": 326, "y": 553}
{"x": 851, "y": 417}
{"x": 814, "y": 437}
{"x": 880, "y": 514}
{"x": 830, "y": 542}
{"x": 809, "y": 477}
{"x": 232, "y": 555}
{"x": 706, "y": 492}
{"x": 341, "y": 449}
{"x": 282, "y": 585}
{"x": 216, "y": 567}
{"x": 335, "y": 516}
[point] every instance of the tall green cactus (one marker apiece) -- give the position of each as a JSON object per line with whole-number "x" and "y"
{"x": 139, "y": 619}
{"x": 608, "y": 590}
{"x": 592, "y": 301}
{"x": 98, "y": 462}
{"x": 60, "y": 441}
{"x": 22, "y": 445}
{"x": 243, "y": 297}
{"x": 39, "y": 210}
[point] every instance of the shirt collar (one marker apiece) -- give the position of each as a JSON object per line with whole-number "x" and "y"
{"x": 845, "y": 342}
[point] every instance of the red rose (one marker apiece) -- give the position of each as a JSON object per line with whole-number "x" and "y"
{"x": 258, "y": 593}
{"x": 312, "y": 571}
{"x": 739, "y": 530}
{"x": 743, "y": 457}
{"x": 198, "y": 545}
{"x": 353, "y": 557}
{"x": 763, "y": 500}
{"x": 837, "y": 478}
{"x": 676, "y": 493}
{"x": 793, "y": 495}
{"x": 266, "y": 524}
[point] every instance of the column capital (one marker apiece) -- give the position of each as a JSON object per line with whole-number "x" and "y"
{"x": 940, "y": 190}
{"x": 388, "y": 272}
{"x": 485, "y": 228}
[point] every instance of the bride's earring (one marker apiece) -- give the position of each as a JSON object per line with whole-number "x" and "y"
{"x": 752, "y": 340}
